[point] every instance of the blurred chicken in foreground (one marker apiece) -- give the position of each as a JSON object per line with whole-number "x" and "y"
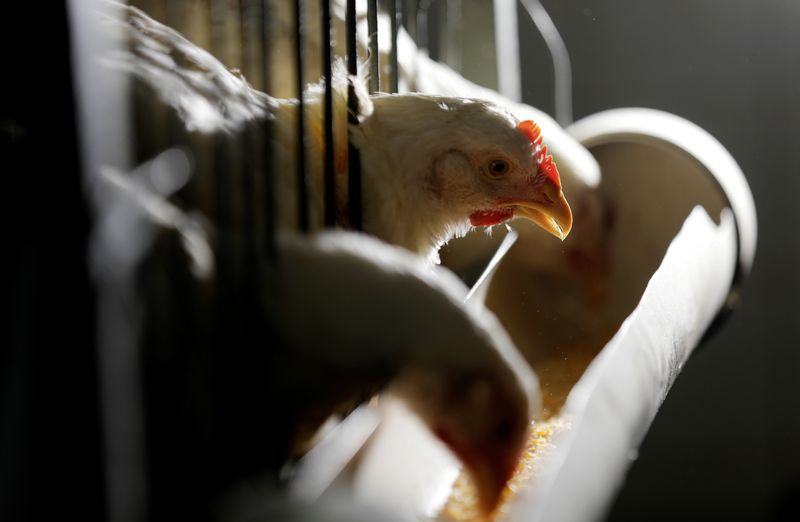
{"x": 400, "y": 324}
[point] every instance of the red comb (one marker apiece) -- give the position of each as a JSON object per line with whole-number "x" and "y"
{"x": 546, "y": 165}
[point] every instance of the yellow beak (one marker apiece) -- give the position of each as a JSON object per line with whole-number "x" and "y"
{"x": 554, "y": 216}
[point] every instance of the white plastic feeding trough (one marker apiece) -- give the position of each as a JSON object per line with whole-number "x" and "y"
{"x": 671, "y": 183}
{"x": 681, "y": 237}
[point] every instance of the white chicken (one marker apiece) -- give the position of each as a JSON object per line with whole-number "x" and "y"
{"x": 453, "y": 365}
{"x": 432, "y": 166}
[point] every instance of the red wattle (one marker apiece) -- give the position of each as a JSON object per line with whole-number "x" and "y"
{"x": 487, "y": 218}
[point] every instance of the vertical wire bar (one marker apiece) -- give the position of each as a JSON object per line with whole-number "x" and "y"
{"x": 394, "y": 14}
{"x": 327, "y": 71}
{"x": 302, "y": 175}
{"x": 374, "y": 57}
{"x": 268, "y": 187}
{"x": 562, "y": 68}
{"x": 353, "y": 156}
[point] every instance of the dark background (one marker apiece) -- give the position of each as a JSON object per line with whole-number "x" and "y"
{"x": 50, "y": 436}
{"x": 726, "y": 443}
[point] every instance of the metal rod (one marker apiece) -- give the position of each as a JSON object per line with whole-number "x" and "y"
{"x": 302, "y": 175}
{"x": 562, "y": 68}
{"x": 395, "y": 16}
{"x": 327, "y": 71}
{"x": 374, "y": 56}
{"x": 353, "y": 156}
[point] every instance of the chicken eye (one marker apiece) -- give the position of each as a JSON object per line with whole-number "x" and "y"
{"x": 497, "y": 168}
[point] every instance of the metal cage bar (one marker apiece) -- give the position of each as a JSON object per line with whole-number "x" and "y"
{"x": 374, "y": 57}
{"x": 327, "y": 43}
{"x": 559, "y": 55}
{"x": 353, "y": 156}
{"x": 395, "y": 14}
{"x": 302, "y": 174}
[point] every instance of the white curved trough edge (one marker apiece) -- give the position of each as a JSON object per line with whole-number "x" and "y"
{"x": 612, "y": 405}
{"x": 642, "y": 124}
